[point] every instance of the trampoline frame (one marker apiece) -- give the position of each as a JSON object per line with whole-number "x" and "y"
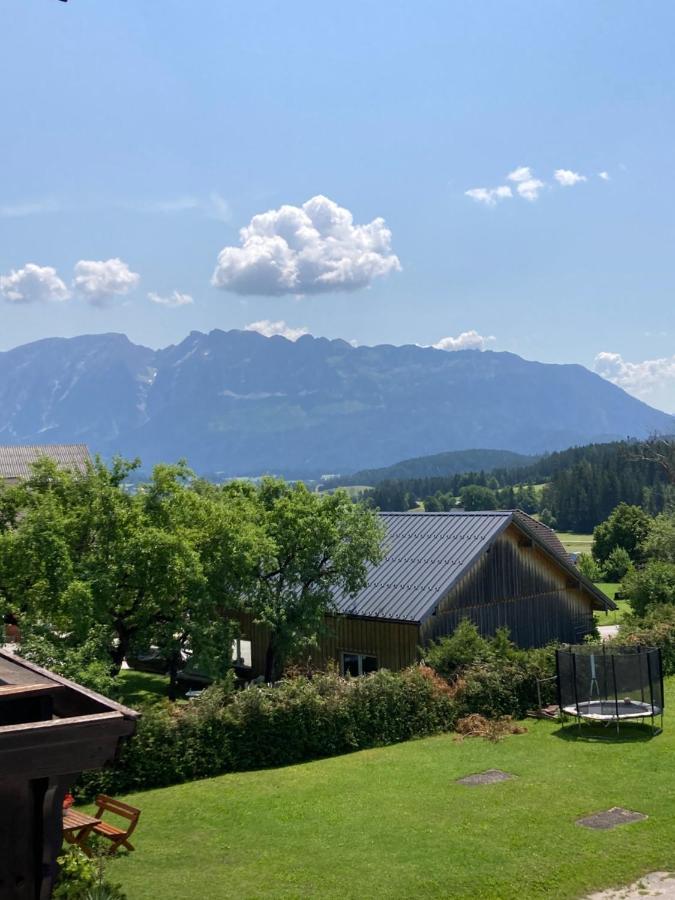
{"x": 576, "y": 710}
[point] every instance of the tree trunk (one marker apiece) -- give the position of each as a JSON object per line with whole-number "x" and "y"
{"x": 273, "y": 662}
{"x": 174, "y": 660}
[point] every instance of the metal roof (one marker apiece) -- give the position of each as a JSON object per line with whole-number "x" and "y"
{"x": 16, "y": 460}
{"x": 427, "y": 553}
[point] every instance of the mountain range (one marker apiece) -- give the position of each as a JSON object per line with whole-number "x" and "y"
{"x": 237, "y": 403}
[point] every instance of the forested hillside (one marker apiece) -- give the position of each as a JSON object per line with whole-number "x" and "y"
{"x": 574, "y": 489}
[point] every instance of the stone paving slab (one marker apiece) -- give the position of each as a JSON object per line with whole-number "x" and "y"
{"x": 490, "y": 776}
{"x": 655, "y": 884}
{"x": 610, "y": 818}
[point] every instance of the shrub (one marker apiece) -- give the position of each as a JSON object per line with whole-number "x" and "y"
{"x": 300, "y": 719}
{"x": 617, "y": 564}
{"x": 83, "y": 878}
{"x": 464, "y": 646}
{"x": 590, "y": 568}
{"x": 652, "y": 585}
{"x": 656, "y": 629}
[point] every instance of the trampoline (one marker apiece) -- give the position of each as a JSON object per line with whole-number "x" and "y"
{"x": 610, "y": 685}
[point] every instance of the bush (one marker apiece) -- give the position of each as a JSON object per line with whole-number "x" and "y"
{"x": 83, "y": 878}
{"x": 298, "y": 720}
{"x": 653, "y": 585}
{"x": 464, "y": 646}
{"x": 494, "y": 677}
{"x": 617, "y": 564}
{"x": 590, "y": 568}
{"x": 656, "y": 629}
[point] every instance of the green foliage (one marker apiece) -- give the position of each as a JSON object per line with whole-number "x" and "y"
{"x": 617, "y": 564}
{"x": 476, "y": 497}
{"x": 448, "y": 655}
{"x": 84, "y": 661}
{"x": 83, "y": 878}
{"x": 651, "y": 585}
{"x": 655, "y": 629}
{"x": 493, "y": 676}
{"x": 590, "y": 568}
{"x": 626, "y": 527}
{"x": 660, "y": 542}
{"x": 310, "y": 545}
{"x": 297, "y": 720}
{"x": 581, "y": 485}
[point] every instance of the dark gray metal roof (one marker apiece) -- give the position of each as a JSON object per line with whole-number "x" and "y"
{"x": 16, "y": 460}
{"x": 427, "y": 553}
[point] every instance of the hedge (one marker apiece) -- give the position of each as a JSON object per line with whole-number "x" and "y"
{"x": 298, "y": 720}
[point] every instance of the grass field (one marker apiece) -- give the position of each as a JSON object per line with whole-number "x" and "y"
{"x": 392, "y": 822}
{"x": 576, "y": 543}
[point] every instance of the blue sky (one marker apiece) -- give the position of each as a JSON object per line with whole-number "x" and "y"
{"x": 140, "y": 137}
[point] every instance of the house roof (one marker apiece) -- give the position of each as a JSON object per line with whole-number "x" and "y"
{"x": 16, "y": 460}
{"x": 427, "y": 554}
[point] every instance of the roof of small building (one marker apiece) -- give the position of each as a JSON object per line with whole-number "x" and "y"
{"x": 16, "y": 460}
{"x": 427, "y": 554}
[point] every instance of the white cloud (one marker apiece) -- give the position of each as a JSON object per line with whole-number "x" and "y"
{"x": 269, "y": 328}
{"x": 529, "y": 190}
{"x": 489, "y": 196}
{"x": 527, "y": 185}
{"x": 467, "y": 340}
{"x": 646, "y": 379}
{"x": 604, "y": 176}
{"x": 568, "y": 178}
{"x": 33, "y": 284}
{"x": 175, "y": 298}
{"x": 312, "y": 249}
{"x": 522, "y": 173}
{"x": 98, "y": 281}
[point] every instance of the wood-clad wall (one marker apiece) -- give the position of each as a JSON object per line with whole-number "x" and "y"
{"x": 394, "y": 644}
{"x": 518, "y": 586}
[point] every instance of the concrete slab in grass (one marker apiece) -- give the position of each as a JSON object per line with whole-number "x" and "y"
{"x": 610, "y": 818}
{"x": 491, "y": 776}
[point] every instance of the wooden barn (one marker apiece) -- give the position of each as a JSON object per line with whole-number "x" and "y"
{"x": 495, "y": 568}
{"x": 17, "y": 460}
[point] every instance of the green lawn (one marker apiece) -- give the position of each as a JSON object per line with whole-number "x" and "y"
{"x": 576, "y": 543}
{"x": 392, "y": 822}
{"x": 139, "y": 689}
{"x": 615, "y": 617}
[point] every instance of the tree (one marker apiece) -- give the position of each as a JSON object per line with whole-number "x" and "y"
{"x": 617, "y": 564}
{"x": 627, "y": 527}
{"x": 476, "y": 497}
{"x": 651, "y": 586}
{"x": 660, "y": 542}
{"x": 156, "y": 567}
{"x": 314, "y": 545}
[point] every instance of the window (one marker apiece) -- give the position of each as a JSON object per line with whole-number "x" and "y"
{"x": 358, "y": 664}
{"x": 241, "y": 653}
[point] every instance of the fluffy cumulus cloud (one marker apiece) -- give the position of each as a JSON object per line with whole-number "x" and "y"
{"x": 647, "y": 379}
{"x": 98, "y": 281}
{"x": 311, "y": 249}
{"x": 467, "y": 340}
{"x": 33, "y": 284}
{"x": 490, "y": 196}
{"x": 604, "y": 176}
{"x": 527, "y": 185}
{"x": 175, "y": 298}
{"x": 269, "y": 329}
{"x": 568, "y": 178}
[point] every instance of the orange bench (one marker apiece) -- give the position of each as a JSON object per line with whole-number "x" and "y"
{"x": 119, "y": 837}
